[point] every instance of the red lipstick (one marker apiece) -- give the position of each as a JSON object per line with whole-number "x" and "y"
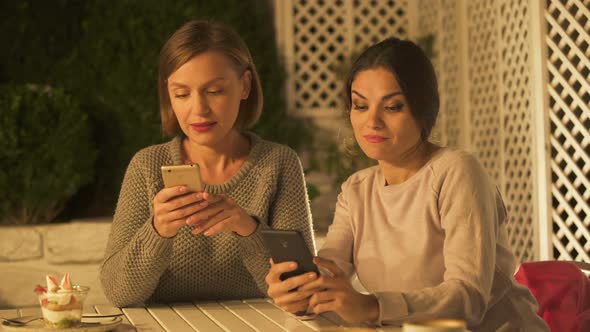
{"x": 375, "y": 138}
{"x": 203, "y": 126}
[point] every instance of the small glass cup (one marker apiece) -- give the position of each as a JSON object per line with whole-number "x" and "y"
{"x": 63, "y": 309}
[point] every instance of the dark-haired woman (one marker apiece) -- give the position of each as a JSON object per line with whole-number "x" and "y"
{"x": 169, "y": 244}
{"x": 425, "y": 229}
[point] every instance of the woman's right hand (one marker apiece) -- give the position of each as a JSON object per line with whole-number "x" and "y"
{"x": 172, "y": 206}
{"x": 285, "y": 293}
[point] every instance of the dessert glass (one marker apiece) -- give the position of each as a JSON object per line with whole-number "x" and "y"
{"x": 63, "y": 308}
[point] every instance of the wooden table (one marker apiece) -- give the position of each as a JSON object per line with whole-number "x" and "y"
{"x": 243, "y": 316}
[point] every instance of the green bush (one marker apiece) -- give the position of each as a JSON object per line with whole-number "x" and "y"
{"x": 105, "y": 53}
{"x": 45, "y": 151}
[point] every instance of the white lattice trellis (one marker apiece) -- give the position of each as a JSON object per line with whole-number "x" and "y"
{"x": 375, "y": 20}
{"x": 514, "y": 81}
{"x": 441, "y": 19}
{"x": 485, "y": 115}
{"x": 568, "y": 40}
{"x": 517, "y": 119}
{"x": 430, "y": 13}
{"x": 449, "y": 73}
{"x": 503, "y": 124}
{"x": 320, "y": 36}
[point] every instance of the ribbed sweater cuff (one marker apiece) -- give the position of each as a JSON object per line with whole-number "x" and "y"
{"x": 392, "y": 307}
{"x": 152, "y": 242}
{"x": 253, "y": 243}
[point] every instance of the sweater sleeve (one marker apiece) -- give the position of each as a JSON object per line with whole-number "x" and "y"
{"x": 339, "y": 240}
{"x": 289, "y": 210}
{"x": 467, "y": 207}
{"x": 136, "y": 256}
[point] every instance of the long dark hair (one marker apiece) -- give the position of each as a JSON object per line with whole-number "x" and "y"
{"x": 414, "y": 72}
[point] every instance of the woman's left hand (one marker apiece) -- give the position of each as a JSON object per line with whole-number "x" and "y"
{"x": 335, "y": 293}
{"x": 221, "y": 213}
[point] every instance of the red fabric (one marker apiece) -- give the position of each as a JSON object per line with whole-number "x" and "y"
{"x": 563, "y": 293}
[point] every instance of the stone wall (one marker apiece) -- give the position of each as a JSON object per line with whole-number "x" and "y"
{"x": 28, "y": 253}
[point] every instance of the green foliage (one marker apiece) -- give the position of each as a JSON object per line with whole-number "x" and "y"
{"x": 427, "y": 43}
{"x": 46, "y": 152}
{"x": 312, "y": 191}
{"x": 106, "y": 54}
{"x": 344, "y": 158}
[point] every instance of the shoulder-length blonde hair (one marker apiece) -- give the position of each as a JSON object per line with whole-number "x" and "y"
{"x": 196, "y": 37}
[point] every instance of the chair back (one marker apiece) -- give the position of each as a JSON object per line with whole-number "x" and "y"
{"x": 562, "y": 291}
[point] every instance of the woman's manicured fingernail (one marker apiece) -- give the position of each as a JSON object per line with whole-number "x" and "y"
{"x": 207, "y": 233}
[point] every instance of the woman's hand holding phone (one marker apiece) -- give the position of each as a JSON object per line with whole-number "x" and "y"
{"x": 334, "y": 292}
{"x": 286, "y": 294}
{"x": 172, "y": 207}
{"x": 220, "y": 213}
{"x": 175, "y": 207}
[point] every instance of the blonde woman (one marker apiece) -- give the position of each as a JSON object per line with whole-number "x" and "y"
{"x": 169, "y": 244}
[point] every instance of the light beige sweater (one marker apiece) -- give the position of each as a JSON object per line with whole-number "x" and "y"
{"x": 139, "y": 265}
{"x": 434, "y": 246}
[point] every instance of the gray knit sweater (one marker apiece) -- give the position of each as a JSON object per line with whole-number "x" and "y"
{"x": 141, "y": 266}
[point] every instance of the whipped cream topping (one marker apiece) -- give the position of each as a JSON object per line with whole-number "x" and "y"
{"x": 60, "y": 294}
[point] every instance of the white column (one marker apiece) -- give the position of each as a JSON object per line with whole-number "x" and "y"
{"x": 499, "y": 70}
{"x": 464, "y": 75}
{"x": 541, "y": 145}
{"x": 283, "y": 10}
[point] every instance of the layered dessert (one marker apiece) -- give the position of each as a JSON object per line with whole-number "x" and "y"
{"x": 61, "y": 303}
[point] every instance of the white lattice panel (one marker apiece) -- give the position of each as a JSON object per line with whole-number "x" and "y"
{"x": 325, "y": 34}
{"x": 375, "y": 20}
{"x": 489, "y": 67}
{"x": 517, "y": 125}
{"x": 484, "y": 96}
{"x": 439, "y": 18}
{"x": 449, "y": 73}
{"x": 319, "y": 32}
{"x": 568, "y": 40}
{"x": 429, "y": 16}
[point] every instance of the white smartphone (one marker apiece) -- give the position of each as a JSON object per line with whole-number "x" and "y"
{"x": 182, "y": 175}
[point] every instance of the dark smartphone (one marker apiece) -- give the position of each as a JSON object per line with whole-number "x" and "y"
{"x": 285, "y": 246}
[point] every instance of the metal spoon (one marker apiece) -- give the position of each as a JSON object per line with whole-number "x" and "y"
{"x": 24, "y": 320}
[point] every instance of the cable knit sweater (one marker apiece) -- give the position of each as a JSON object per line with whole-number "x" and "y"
{"x": 140, "y": 266}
